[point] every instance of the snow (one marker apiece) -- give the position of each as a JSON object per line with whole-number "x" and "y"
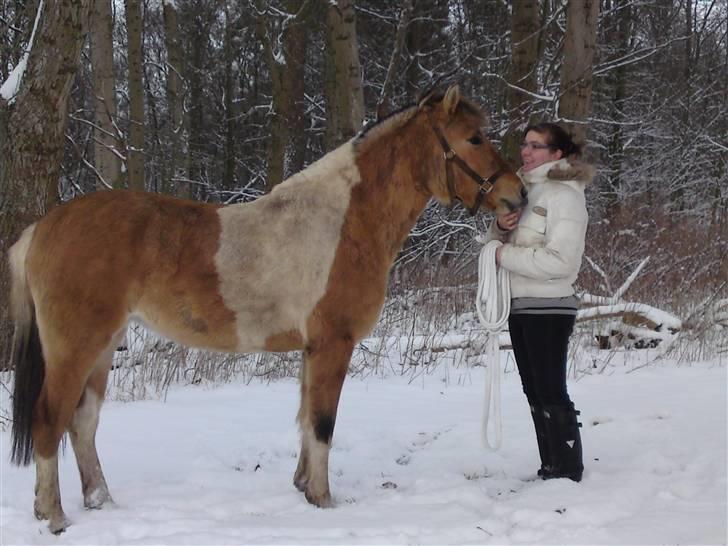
{"x": 11, "y": 85}
{"x": 215, "y": 465}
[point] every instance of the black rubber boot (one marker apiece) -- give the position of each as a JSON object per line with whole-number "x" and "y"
{"x": 539, "y": 423}
{"x": 564, "y": 439}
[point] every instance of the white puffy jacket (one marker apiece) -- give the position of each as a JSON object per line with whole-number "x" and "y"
{"x": 543, "y": 253}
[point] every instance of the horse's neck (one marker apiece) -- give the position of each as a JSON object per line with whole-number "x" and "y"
{"x": 391, "y": 195}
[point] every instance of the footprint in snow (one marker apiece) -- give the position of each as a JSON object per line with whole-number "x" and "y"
{"x": 423, "y": 440}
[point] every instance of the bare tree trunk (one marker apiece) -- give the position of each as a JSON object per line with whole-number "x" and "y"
{"x": 281, "y": 100}
{"x": 194, "y": 116}
{"x": 525, "y": 30}
{"x": 405, "y": 16}
{"x": 229, "y": 86}
{"x": 687, "y": 68}
{"x": 425, "y": 33}
{"x": 332, "y": 136}
{"x": 349, "y": 94}
{"x": 295, "y": 40}
{"x": 287, "y": 76}
{"x": 616, "y": 140}
{"x": 175, "y": 169}
{"x": 107, "y": 148}
{"x": 576, "y": 72}
{"x": 228, "y": 177}
{"x": 33, "y": 139}
{"x": 135, "y": 150}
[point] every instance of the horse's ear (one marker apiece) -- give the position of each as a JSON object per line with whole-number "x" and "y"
{"x": 451, "y": 100}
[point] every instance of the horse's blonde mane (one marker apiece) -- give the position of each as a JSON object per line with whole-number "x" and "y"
{"x": 388, "y": 125}
{"x": 400, "y": 118}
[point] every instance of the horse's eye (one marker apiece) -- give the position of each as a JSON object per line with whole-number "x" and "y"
{"x": 475, "y": 140}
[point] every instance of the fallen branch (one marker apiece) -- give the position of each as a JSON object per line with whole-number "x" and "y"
{"x": 650, "y": 315}
{"x": 636, "y": 325}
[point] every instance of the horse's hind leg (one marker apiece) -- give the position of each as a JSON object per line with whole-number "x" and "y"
{"x": 47, "y": 493}
{"x": 56, "y": 404}
{"x": 323, "y": 377}
{"x": 68, "y": 367}
{"x": 83, "y": 433}
{"x": 83, "y": 427}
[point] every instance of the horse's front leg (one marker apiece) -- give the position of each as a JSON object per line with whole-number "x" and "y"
{"x": 326, "y": 362}
{"x": 300, "y": 478}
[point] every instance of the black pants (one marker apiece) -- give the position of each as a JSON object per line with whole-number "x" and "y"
{"x": 540, "y": 345}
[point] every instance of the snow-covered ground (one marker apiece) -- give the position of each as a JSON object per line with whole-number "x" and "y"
{"x": 215, "y": 466}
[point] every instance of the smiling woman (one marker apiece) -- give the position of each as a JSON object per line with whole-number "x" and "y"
{"x": 546, "y": 142}
{"x": 543, "y": 248}
{"x": 537, "y": 151}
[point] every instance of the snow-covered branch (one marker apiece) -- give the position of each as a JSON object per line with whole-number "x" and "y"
{"x": 11, "y": 86}
{"x": 661, "y": 319}
{"x": 622, "y": 289}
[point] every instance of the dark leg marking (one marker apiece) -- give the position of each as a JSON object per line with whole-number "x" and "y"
{"x": 324, "y": 428}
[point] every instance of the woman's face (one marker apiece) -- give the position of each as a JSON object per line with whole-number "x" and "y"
{"x": 535, "y": 151}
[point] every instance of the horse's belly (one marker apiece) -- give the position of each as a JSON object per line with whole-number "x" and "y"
{"x": 189, "y": 328}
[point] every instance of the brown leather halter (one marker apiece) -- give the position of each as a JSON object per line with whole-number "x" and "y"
{"x": 486, "y": 184}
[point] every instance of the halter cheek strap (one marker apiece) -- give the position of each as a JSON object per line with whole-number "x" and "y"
{"x": 486, "y": 184}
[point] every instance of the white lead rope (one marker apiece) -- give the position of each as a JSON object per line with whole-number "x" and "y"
{"x": 493, "y": 304}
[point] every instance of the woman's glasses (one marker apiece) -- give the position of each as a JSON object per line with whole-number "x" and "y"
{"x": 535, "y": 146}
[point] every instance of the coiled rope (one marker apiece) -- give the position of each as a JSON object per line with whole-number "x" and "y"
{"x": 493, "y": 303}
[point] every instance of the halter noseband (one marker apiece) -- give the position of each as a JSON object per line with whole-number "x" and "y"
{"x": 486, "y": 184}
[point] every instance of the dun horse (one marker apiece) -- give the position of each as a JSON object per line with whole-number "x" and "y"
{"x": 303, "y": 268}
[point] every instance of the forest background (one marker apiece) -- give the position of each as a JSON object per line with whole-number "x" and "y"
{"x": 218, "y": 100}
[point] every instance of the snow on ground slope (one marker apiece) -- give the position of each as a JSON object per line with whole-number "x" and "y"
{"x": 215, "y": 466}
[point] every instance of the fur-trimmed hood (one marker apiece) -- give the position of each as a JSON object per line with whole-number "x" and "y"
{"x": 568, "y": 170}
{"x": 575, "y": 169}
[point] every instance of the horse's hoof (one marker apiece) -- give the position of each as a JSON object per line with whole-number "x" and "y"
{"x": 322, "y": 501}
{"x": 57, "y": 521}
{"x": 58, "y": 525}
{"x": 96, "y": 499}
{"x": 41, "y": 513}
{"x": 300, "y": 483}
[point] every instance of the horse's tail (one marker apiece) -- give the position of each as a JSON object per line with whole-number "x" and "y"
{"x": 27, "y": 355}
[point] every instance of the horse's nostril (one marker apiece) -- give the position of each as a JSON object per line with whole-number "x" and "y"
{"x": 524, "y": 192}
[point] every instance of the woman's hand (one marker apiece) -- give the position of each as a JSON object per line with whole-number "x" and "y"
{"x": 508, "y": 221}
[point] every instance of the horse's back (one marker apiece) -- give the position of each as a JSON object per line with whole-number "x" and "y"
{"x": 244, "y": 277}
{"x": 119, "y": 237}
{"x": 103, "y": 257}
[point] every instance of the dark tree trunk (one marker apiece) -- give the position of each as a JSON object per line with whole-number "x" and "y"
{"x": 175, "y": 168}
{"x": 576, "y": 72}
{"x": 107, "y": 148}
{"x": 32, "y": 133}
{"x": 135, "y": 149}
{"x": 525, "y": 30}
